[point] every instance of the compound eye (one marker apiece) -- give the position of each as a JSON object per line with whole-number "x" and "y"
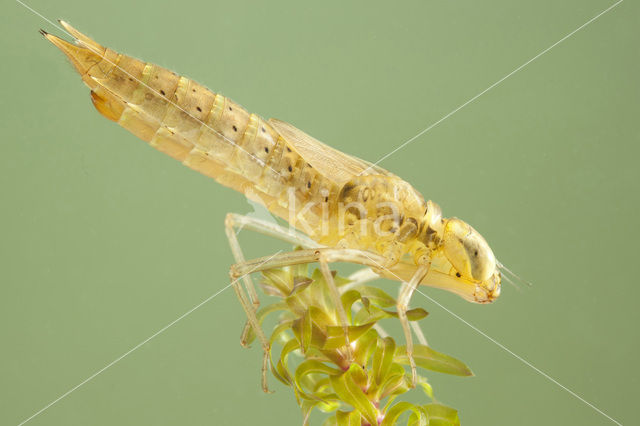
{"x": 467, "y": 251}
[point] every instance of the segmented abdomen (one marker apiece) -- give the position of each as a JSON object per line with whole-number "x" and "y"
{"x": 207, "y": 132}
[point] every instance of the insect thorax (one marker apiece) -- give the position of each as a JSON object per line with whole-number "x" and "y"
{"x": 380, "y": 213}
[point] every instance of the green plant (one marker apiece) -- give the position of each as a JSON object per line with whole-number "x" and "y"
{"x": 365, "y": 390}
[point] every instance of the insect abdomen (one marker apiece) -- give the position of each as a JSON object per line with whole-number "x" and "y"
{"x": 206, "y": 131}
{"x": 213, "y": 135}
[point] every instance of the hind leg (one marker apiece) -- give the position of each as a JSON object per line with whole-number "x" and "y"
{"x": 323, "y": 256}
{"x": 404, "y": 297}
{"x": 235, "y": 221}
{"x": 248, "y": 296}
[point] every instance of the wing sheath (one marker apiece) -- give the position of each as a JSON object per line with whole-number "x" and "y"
{"x": 331, "y": 163}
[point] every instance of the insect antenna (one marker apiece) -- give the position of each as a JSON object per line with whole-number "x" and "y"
{"x": 514, "y": 276}
{"x": 507, "y": 279}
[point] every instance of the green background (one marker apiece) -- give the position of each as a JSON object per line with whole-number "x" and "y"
{"x": 105, "y": 241}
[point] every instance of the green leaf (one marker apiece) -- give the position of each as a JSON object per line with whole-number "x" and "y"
{"x": 415, "y": 314}
{"x": 441, "y": 415}
{"x": 319, "y": 317}
{"x": 342, "y": 418}
{"x": 426, "y": 357}
{"x": 299, "y": 284}
{"x": 382, "y": 359}
{"x": 426, "y": 387}
{"x": 377, "y": 296}
{"x": 396, "y": 382}
{"x": 322, "y": 386}
{"x": 283, "y": 365}
{"x": 365, "y": 302}
{"x": 338, "y": 280}
{"x": 365, "y": 346}
{"x": 374, "y": 314}
{"x": 279, "y": 332}
{"x": 421, "y": 419}
{"x": 392, "y": 415}
{"x": 249, "y": 335}
{"x": 355, "y": 419}
{"x": 329, "y": 401}
{"x": 350, "y": 393}
{"x": 317, "y": 320}
{"x": 300, "y": 270}
{"x": 313, "y": 366}
{"x": 330, "y": 421}
{"x": 277, "y": 282}
{"x": 307, "y": 407}
{"x": 296, "y": 303}
{"x": 336, "y": 335}
{"x": 348, "y": 299}
{"x": 305, "y": 332}
{"x": 348, "y": 418}
{"x": 331, "y": 406}
{"x": 359, "y": 376}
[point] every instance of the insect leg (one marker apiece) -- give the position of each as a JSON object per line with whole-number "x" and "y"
{"x": 249, "y": 300}
{"x": 239, "y": 257}
{"x": 404, "y": 297}
{"x": 323, "y": 256}
{"x": 294, "y": 237}
{"x": 235, "y": 221}
{"x": 358, "y": 278}
{"x": 270, "y": 229}
{"x": 330, "y": 255}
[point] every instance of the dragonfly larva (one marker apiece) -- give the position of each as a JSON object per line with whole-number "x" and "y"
{"x": 347, "y": 209}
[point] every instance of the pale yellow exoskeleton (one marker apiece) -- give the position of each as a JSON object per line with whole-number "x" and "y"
{"x": 347, "y": 209}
